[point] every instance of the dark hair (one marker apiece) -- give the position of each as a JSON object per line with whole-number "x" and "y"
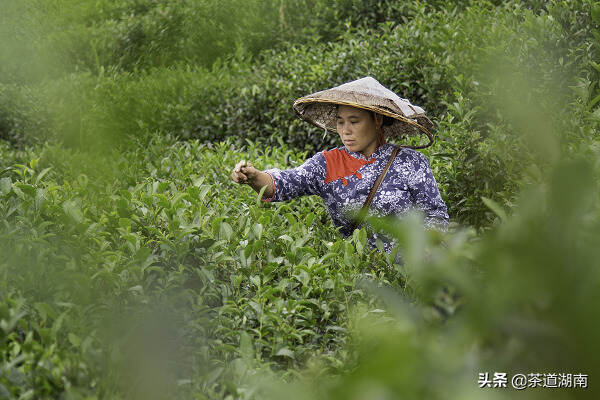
{"x": 387, "y": 121}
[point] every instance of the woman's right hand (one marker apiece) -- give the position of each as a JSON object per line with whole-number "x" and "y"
{"x": 244, "y": 172}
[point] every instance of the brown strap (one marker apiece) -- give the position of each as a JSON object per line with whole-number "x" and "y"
{"x": 363, "y": 211}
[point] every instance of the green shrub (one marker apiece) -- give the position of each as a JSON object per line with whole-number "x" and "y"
{"x": 47, "y": 39}
{"x": 453, "y": 61}
{"x": 23, "y": 116}
{"x": 162, "y": 231}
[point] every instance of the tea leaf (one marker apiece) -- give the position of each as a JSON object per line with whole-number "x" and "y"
{"x": 5, "y": 186}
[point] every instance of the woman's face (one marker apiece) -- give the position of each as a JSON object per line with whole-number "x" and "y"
{"x": 357, "y": 129}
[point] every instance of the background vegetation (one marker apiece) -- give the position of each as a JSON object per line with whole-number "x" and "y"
{"x": 133, "y": 268}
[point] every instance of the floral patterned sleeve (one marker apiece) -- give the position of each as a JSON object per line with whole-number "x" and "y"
{"x": 426, "y": 194}
{"x": 306, "y": 179}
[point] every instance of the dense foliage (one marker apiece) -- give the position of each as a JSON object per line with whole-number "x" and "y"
{"x": 131, "y": 266}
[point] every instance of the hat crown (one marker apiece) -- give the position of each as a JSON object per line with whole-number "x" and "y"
{"x": 368, "y": 91}
{"x": 368, "y": 85}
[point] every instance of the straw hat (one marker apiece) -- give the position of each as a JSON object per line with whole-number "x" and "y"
{"x": 367, "y": 93}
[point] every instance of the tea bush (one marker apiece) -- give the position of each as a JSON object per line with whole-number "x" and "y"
{"x": 154, "y": 275}
{"x": 151, "y": 235}
{"x": 133, "y": 268}
{"x": 449, "y": 59}
{"x": 132, "y": 35}
{"x": 453, "y": 61}
{"x": 23, "y": 116}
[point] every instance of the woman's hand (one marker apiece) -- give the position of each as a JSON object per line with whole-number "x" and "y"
{"x": 244, "y": 172}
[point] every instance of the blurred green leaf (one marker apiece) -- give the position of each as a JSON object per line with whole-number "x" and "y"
{"x": 495, "y": 207}
{"x": 73, "y": 211}
{"x": 285, "y": 352}
{"x": 5, "y": 186}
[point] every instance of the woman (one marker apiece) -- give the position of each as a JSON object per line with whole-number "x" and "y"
{"x": 363, "y": 113}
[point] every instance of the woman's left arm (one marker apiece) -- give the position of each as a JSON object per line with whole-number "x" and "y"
{"x": 426, "y": 194}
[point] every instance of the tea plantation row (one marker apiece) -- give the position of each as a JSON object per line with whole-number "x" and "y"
{"x": 148, "y": 274}
{"x": 476, "y": 68}
{"x": 103, "y": 252}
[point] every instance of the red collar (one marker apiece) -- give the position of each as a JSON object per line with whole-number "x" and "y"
{"x": 340, "y": 164}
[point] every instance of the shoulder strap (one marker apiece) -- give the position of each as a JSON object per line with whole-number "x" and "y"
{"x": 363, "y": 211}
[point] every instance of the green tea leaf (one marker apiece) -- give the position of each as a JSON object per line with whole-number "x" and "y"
{"x": 42, "y": 174}
{"x": 225, "y": 230}
{"x": 45, "y": 310}
{"x": 258, "y": 230}
{"x": 5, "y": 186}
{"x": 26, "y": 188}
{"x": 73, "y": 211}
{"x": 260, "y": 195}
{"x": 255, "y": 279}
{"x": 74, "y": 339}
{"x": 246, "y": 348}
{"x": 285, "y": 352}
{"x": 303, "y": 277}
{"x": 40, "y": 198}
{"x": 495, "y": 207}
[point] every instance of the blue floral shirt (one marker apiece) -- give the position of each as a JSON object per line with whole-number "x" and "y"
{"x": 409, "y": 184}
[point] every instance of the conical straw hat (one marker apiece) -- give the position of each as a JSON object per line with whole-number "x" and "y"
{"x": 367, "y": 93}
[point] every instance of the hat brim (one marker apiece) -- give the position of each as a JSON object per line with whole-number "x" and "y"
{"x": 323, "y": 114}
